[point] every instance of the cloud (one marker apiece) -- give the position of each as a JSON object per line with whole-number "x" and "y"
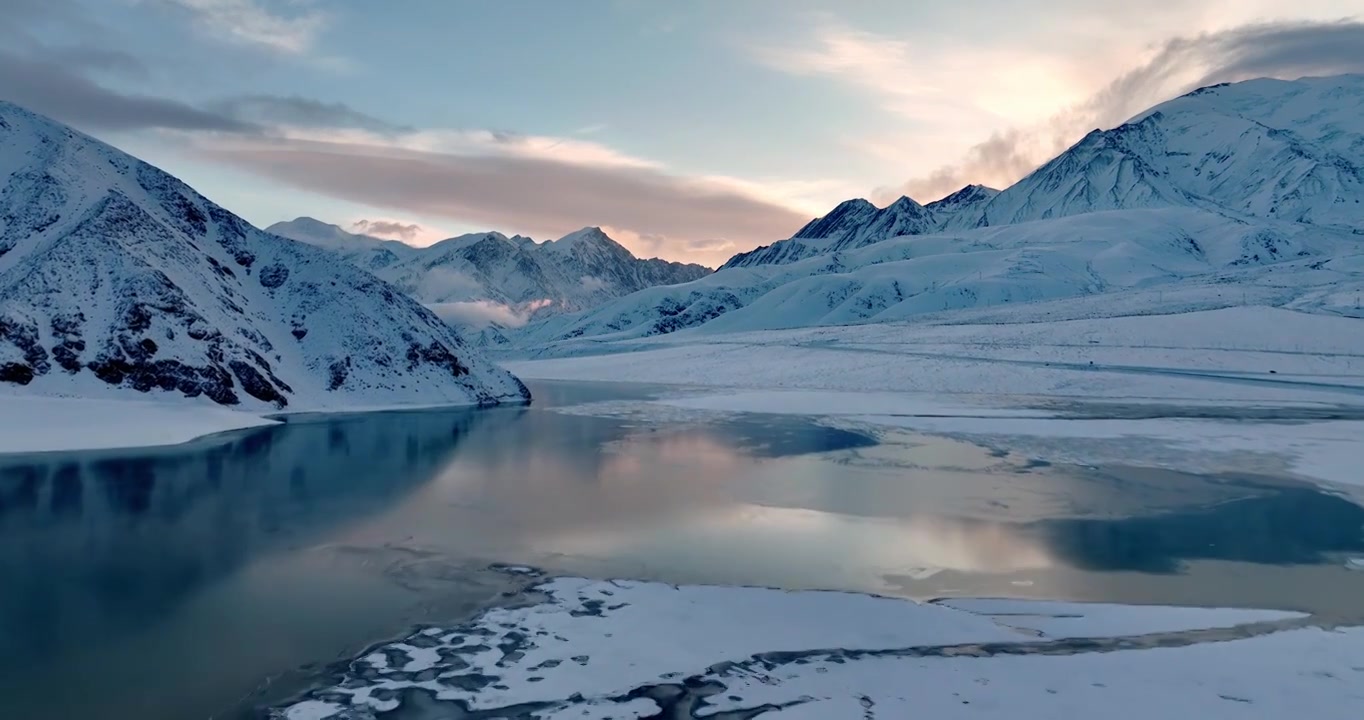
{"x": 532, "y": 186}
{"x": 261, "y": 23}
{"x": 479, "y": 314}
{"x": 709, "y": 252}
{"x": 298, "y": 111}
{"x": 59, "y": 81}
{"x": 393, "y": 230}
{"x": 592, "y": 283}
{"x": 1285, "y": 50}
{"x": 922, "y": 82}
{"x": 53, "y": 88}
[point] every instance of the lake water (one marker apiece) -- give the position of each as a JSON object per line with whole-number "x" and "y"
{"x": 206, "y": 579}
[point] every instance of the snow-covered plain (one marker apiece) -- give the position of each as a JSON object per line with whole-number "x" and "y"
{"x": 627, "y": 649}
{"x": 1185, "y": 390}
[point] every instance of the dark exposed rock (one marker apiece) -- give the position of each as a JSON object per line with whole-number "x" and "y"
{"x": 232, "y": 235}
{"x": 338, "y": 371}
{"x": 167, "y": 191}
{"x": 16, "y": 373}
{"x": 255, "y": 384}
{"x": 222, "y": 270}
{"x": 137, "y": 318}
{"x": 66, "y": 330}
{"x": 210, "y": 381}
{"x": 273, "y": 275}
{"x": 24, "y": 336}
{"x": 197, "y": 331}
{"x": 436, "y": 354}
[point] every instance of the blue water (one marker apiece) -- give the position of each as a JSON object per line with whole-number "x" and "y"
{"x": 192, "y": 581}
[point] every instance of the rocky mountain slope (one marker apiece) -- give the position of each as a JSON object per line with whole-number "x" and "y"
{"x": 1247, "y": 193}
{"x": 116, "y": 279}
{"x": 1261, "y": 148}
{"x": 492, "y": 277}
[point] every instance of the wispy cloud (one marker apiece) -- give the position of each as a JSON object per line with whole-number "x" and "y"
{"x": 298, "y": 111}
{"x": 388, "y": 229}
{"x": 920, "y": 82}
{"x": 288, "y": 27}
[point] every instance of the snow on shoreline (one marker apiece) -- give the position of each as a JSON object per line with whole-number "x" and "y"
{"x": 623, "y": 649}
{"x": 36, "y": 423}
{"x": 44, "y": 424}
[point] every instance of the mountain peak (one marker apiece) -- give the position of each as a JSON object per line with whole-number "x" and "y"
{"x": 588, "y": 236}
{"x": 968, "y": 194}
{"x": 906, "y": 204}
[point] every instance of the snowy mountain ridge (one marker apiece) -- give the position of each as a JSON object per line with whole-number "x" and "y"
{"x": 117, "y": 280}
{"x": 1263, "y": 148}
{"x": 1249, "y": 192}
{"x": 1260, "y": 148}
{"x": 484, "y": 277}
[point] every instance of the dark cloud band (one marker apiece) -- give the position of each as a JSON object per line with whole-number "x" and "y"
{"x": 533, "y": 195}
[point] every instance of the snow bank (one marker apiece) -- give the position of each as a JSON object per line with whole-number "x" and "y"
{"x": 42, "y": 424}
{"x": 622, "y": 649}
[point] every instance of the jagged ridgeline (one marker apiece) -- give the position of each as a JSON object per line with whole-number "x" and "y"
{"x": 117, "y": 278}
{"x": 1256, "y": 184}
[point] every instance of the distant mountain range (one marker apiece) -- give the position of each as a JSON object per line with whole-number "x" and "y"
{"x": 489, "y": 277}
{"x": 1256, "y": 185}
{"x": 118, "y": 279}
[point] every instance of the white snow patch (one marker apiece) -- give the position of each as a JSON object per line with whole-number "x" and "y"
{"x": 591, "y": 641}
{"x": 42, "y": 424}
{"x": 1309, "y": 673}
{"x": 312, "y": 710}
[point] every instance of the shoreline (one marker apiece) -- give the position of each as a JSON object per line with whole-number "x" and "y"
{"x": 505, "y": 658}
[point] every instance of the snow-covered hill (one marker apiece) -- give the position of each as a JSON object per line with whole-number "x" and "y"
{"x": 489, "y": 277}
{"x": 118, "y": 280}
{"x": 1250, "y": 191}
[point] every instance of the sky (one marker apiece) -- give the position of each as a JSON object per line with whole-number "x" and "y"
{"x": 688, "y": 130}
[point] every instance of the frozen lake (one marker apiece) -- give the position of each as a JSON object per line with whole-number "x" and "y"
{"x": 207, "y": 579}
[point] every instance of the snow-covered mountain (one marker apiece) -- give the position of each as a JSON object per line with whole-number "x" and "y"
{"x": 966, "y": 200}
{"x": 1263, "y": 148}
{"x": 853, "y": 224}
{"x": 1237, "y": 193}
{"x": 501, "y": 279}
{"x": 118, "y": 279}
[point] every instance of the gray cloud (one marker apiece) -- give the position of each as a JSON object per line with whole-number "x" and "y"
{"x": 300, "y": 111}
{"x": 406, "y": 232}
{"x": 523, "y": 194}
{"x": 57, "y": 81}
{"x": 56, "y": 88}
{"x": 1283, "y": 50}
